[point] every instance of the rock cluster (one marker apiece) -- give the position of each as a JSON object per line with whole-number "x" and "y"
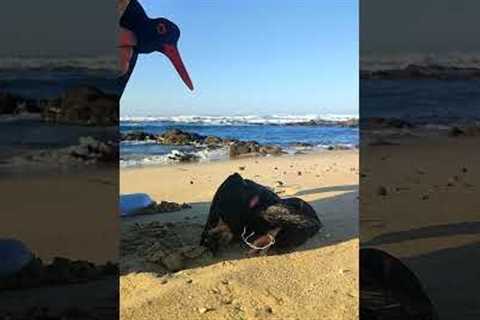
{"x": 12, "y": 104}
{"x": 384, "y": 123}
{"x": 349, "y": 123}
{"x": 248, "y": 148}
{"x": 83, "y": 106}
{"x": 414, "y": 71}
{"x": 466, "y": 131}
{"x": 61, "y": 271}
{"x": 162, "y": 207}
{"x": 178, "y": 137}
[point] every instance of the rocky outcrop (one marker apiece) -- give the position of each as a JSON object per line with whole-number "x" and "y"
{"x": 414, "y": 71}
{"x": 179, "y": 137}
{"x": 349, "y": 123}
{"x": 384, "y": 123}
{"x": 8, "y": 103}
{"x": 138, "y": 136}
{"x": 162, "y": 207}
{"x": 465, "y": 131}
{"x": 241, "y": 148}
{"x": 83, "y": 106}
{"x": 61, "y": 271}
{"x": 180, "y": 156}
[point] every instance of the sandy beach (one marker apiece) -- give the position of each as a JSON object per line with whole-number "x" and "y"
{"x": 319, "y": 280}
{"x": 419, "y": 202}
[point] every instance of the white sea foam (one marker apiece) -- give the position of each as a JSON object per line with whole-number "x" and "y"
{"x": 237, "y": 120}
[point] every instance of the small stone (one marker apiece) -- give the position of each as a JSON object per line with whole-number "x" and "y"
{"x": 191, "y": 182}
{"x": 163, "y": 281}
{"x": 241, "y": 168}
{"x": 225, "y": 281}
{"x": 451, "y": 182}
{"x": 382, "y": 191}
{"x": 268, "y": 309}
{"x": 299, "y": 173}
{"x": 189, "y": 281}
{"x": 464, "y": 170}
{"x": 279, "y": 183}
{"x": 204, "y": 310}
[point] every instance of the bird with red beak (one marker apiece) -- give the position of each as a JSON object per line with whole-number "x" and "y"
{"x": 140, "y": 34}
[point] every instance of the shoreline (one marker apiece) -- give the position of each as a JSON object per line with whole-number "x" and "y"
{"x": 238, "y": 159}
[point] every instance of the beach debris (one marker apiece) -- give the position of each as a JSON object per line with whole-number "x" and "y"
{"x": 241, "y": 168}
{"x": 299, "y": 173}
{"x": 191, "y": 182}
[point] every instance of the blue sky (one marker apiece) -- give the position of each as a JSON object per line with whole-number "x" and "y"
{"x": 252, "y": 57}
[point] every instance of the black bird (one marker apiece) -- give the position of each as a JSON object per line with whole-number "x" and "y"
{"x": 140, "y": 34}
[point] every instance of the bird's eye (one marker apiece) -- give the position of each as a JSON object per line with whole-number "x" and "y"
{"x": 161, "y": 28}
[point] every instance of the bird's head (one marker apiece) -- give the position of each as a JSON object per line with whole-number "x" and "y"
{"x": 153, "y": 35}
{"x": 162, "y": 36}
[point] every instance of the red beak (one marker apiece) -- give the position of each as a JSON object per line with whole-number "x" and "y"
{"x": 172, "y": 53}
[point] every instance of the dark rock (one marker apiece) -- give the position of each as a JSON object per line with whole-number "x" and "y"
{"x": 83, "y": 106}
{"x": 179, "y": 137}
{"x": 271, "y": 150}
{"x": 8, "y": 103}
{"x": 162, "y": 207}
{"x": 213, "y": 141}
{"x": 243, "y": 147}
{"x": 415, "y": 71}
{"x": 138, "y": 136}
{"x": 180, "y": 156}
{"x": 382, "y": 191}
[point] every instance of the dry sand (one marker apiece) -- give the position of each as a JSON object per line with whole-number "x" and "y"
{"x": 317, "y": 281}
{"x": 430, "y": 215}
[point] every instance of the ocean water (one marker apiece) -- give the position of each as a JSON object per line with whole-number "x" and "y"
{"x": 437, "y": 102}
{"x": 265, "y": 130}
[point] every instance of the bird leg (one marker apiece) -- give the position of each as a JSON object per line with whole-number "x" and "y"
{"x": 263, "y": 243}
